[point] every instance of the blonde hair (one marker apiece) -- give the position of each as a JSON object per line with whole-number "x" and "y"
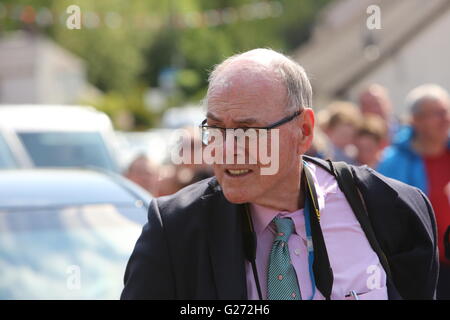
{"x": 340, "y": 112}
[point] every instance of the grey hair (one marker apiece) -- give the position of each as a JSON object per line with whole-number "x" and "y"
{"x": 293, "y": 76}
{"x": 426, "y": 92}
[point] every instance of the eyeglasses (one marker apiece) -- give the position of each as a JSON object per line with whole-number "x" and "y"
{"x": 206, "y": 130}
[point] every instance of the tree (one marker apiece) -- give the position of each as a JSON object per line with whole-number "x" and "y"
{"x": 127, "y": 45}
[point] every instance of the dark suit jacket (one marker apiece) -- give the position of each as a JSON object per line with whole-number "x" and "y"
{"x": 192, "y": 245}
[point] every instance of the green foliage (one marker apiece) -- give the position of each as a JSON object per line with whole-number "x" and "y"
{"x": 126, "y": 110}
{"x": 152, "y": 37}
{"x": 113, "y": 55}
{"x": 188, "y": 80}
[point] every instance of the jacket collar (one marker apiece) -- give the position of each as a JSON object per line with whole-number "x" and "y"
{"x": 213, "y": 186}
{"x": 225, "y": 241}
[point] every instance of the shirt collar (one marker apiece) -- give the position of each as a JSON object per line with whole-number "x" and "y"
{"x": 263, "y": 216}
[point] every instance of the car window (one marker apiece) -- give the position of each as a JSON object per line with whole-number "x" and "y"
{"x": 65, "y": 187}
{"x": 67, "y": 149}
{"x": 71, "y": 253}
{"x": 6, "y": 156}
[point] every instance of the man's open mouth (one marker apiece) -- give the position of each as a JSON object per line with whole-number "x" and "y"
{"x": 237, "y": 172}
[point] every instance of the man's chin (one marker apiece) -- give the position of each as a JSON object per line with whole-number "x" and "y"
{"x": 236, "y": 197}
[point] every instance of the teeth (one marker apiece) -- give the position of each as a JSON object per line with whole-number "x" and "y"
{"x": 238, "y": 172}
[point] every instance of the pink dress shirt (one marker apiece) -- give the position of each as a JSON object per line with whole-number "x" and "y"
{"x": 355, "y": 265}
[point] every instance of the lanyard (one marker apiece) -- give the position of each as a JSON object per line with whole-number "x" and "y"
{"x": 310, "y": 247}
{"x": 307, "y": 212}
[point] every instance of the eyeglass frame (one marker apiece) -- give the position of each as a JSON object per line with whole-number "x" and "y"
{"x": 269, "y": 127}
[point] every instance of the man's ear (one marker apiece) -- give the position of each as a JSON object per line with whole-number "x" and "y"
{"x": 306, "y": 123}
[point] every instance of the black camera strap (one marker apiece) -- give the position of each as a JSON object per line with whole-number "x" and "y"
{"x": 323, "y": 274}
{"x": 250, "y": 244}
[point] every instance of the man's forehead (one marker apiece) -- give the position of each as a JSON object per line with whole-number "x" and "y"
{"x": 246, "y": 82}
{"x": 236, "y": 117}
{"x": 243, "y": 100}
{"x": 432, "y": 103}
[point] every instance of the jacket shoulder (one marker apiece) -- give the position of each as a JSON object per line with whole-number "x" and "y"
{"x": 371, "y": 177}
{"x": 187, "y": 200}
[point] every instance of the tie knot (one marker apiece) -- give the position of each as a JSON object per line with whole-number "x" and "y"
{"x": 285, "y": 227}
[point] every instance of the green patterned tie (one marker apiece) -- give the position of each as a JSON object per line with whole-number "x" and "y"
{"x": 282, "y": 283}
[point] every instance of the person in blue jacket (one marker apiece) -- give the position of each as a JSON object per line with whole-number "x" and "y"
{"x": 420, "y": 156}
{"x": 402, "y": 162}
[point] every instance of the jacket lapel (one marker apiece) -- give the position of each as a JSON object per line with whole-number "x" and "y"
{"x": 225, "y": 244}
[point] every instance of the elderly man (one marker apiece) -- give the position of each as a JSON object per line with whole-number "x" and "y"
{"x": 286, "y": 235}
{"x": 421, "y": 157}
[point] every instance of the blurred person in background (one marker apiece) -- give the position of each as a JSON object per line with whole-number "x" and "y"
{"x": 174, "y": 177}
{"x": 143, "y": 172}
{"x": 193, "y": 143}
{"x": 341, "y": 123}
{"x": 374, "y": 100}
{"x": 168, "y": 182}
{"x": 420, "y": 156}
{"x": 370, "y": 140}
{"x": 320, "y": 145}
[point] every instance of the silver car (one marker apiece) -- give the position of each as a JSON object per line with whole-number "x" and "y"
{"x": 58, "y": 136}
{"x": 67, "y": 233}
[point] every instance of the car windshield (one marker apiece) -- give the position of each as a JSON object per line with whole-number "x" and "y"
{"x": 71, "y": 253}
{"x": 67, "y": 149}
{"x": 6, "y": 156}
